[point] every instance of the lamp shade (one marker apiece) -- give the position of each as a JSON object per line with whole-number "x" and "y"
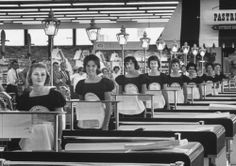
{"x": 145, "y": 41}
{"x": 175, "y": 47}
{"x": 194, "y": 50}
{"x": 122, "y": 37}
{"x": 93, "y": 31}
{"x": 51, "y": 25}
{"x": 185, "y": 48}
{"x": 202, "y": 52}
{"x": 160, "y": 44}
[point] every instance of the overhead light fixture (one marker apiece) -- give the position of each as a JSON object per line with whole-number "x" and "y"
{"x": 160, "y": 11}
{"x": 93, "y": 31}
{"x": 51, "y": 25}
{"x": 45, "y": 4}
{"x": 145, "y": 41}
{"x": 98, "y": 4}
{"x": 153, "y": 3}
{"x": 115, "y": 8}
{"x": 158, "y": 7}
{"x": 124, "y": 11}
{"x": 130, "y": 14}
{"x": 9, "y": 5}
{"x": 31, "y": 13}
{"x": 19, "y": 10}
{"x": 64, "y": 9}
{"x": 122, "y": 38}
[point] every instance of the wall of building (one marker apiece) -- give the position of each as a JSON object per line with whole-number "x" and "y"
{"x": 207, "y": 34}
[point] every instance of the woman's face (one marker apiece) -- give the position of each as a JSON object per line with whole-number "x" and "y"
{"x": 91, "y": 68}
{"x": 175, "y": 66}
{"x": 209, "y": 69}
{"x": 217, "y": 69}
{"x": 154, "y": 65}
{"x": 39, "y": 76}
{"x": 129, "y": 66}
{"x": 191, "y": 70}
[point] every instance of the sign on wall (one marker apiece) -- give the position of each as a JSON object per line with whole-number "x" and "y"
{"x": 221, "y": 17}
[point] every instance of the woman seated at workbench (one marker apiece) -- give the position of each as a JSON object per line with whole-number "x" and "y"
{"x": 155, "y": 82}
{"x": 194, "y": 87}
{"x": 219, "y": 77}
{"x": 176, "y": 80}
{"x": 130, "y": 85}
{"x": 209, "y": 79}
{"x": 94, "y": 88}
{"x": 41, "y": 97}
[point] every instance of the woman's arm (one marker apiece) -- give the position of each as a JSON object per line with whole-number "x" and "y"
{"x": 108, "y": 111}
{"x": 165, "y": 95}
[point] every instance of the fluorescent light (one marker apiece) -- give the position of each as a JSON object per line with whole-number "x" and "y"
{"x": 152, "y": 3}
{"x": 43, "y": 16}
{"x": 64, "y": 9}
{"x": 95, "y": 18}
{"x": 28, "y": 22}
{"x": 19, "y": 10}
{"x": 12, "y": 19}
{"x": 115, "y": 8}
{"x": 97, "y": 4}
{"x": 32, "y": 13}
{"x": 140, "y": 17}
{"x": 92, "y": 12}
{"x": 158, "y": 7}
{"x": 133, "y": 11}
{"x": 9, "y": 5}
{"x": 163, "y": 14}
{"x": 48, "y": 4}
{"x": 130, "y": 15}
{"x": 92, "y": 15}
{"x": 151, "y": 20}
{"x": 160, "y": 11}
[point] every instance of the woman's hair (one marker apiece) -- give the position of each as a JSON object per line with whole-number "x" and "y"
{"x": 154, "y": 58}
{"x": 132, "y": 59}
{"x": 174, "y": 61}
{"x": 191, "y": 64}
{"x": 32, "y": 68}
{"x": 217, "y": 64}
{"x": 94, "y": 58}
{"x": 209, "y": 64}
{"x": 116, "y": 67}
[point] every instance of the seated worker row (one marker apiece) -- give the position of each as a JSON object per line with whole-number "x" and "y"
{"x": 98, "y": 88}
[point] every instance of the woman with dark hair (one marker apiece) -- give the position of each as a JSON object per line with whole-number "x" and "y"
{"x": 95, "y": 87}
{"x": 194, "y": 82}
{"x": 44, "y": 98}
{"x": 176, "y": 80}
{"x": 219, "y": 77}
{"x": 131, "y": 83}
{"x": 155, "y": 80}
{"x": 209, "y": 79}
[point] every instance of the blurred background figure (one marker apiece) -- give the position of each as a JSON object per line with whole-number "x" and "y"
{"x": 13, "y": 78}
{"x": 116, "y": 72}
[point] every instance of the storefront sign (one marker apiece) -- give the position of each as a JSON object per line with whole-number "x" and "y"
{"x": 223, "y": 17}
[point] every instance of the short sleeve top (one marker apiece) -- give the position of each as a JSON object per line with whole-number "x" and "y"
{"x": 196, "y": 80}
{"x": 53, "y": 100}
{"x": 176, "y": 81}
{"x": 85, "y": 89}
{"x": 220, "y": 77}
{"x": 134, "y": 83}
{"x": 157, "y": 81}
{"x": 208, "y": 78}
